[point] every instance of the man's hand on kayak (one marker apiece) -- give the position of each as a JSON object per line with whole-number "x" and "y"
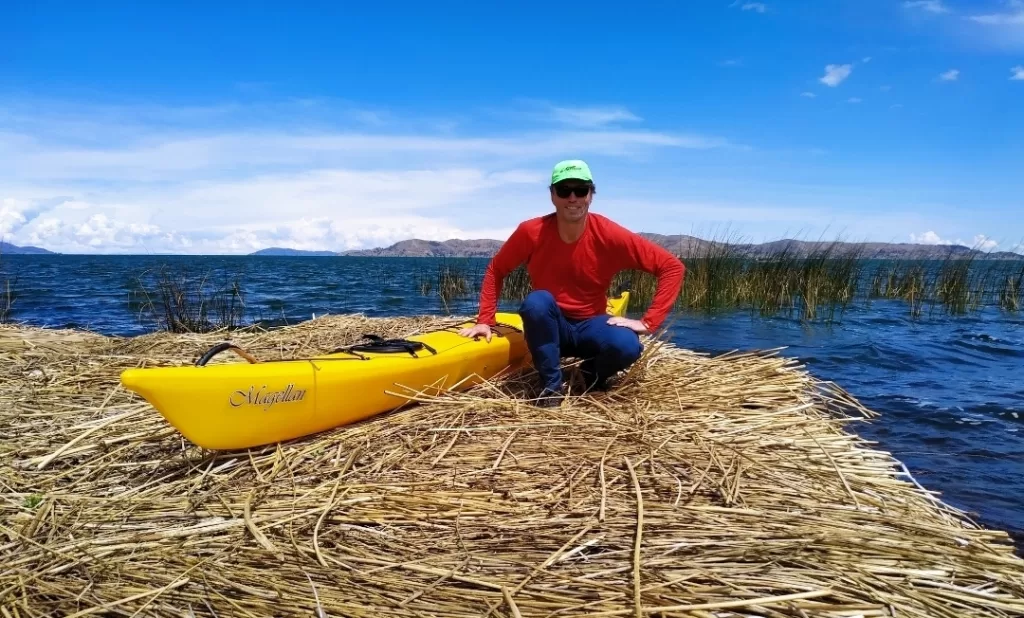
{"x": 634, "y": 325}
{"x": 477, "y": 331}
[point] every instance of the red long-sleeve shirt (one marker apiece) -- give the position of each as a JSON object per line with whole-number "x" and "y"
{"x": 578, "y": 274}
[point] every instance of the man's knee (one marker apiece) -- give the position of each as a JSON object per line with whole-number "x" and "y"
{"x": 537, "y": 303}
{"x": 623, "y": 343}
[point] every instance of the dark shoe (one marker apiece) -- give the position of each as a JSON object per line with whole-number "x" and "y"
{"x": 591, "y": 381}
{"x": 597, "y": 385}
{"x": 549, "y": 399}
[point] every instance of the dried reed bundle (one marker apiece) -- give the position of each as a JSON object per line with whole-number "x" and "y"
{"x": 725, "y": 486}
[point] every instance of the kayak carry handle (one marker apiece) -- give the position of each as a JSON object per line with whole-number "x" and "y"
{"x": 220, "y": 347}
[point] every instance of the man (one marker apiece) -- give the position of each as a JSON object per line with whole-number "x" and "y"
{"x": 572, "y": 256}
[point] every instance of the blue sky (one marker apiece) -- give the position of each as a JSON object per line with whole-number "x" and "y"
{"x": 193, "y": 128}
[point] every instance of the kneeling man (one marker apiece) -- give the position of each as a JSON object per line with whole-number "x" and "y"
{"x": 571, "y": 257}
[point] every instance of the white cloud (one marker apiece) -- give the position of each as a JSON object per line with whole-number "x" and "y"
{"x": 168, "y": 157}
{"x": 980, "y": 242}
{"x": 73, "y": 183}
{"x": 929, "y": 238}
{"x": 930, "y": 6}
{"x": 341, "y": 235}
{"x": 854, "y": 100}
{"x": 99, "y": 232}
{"x": 809, "y": 95}
{"x": 835, "y": 74}
{"x": 896, "y": 106}
{"x": 593, "y": 116}
{"x": 235, "y": 218}
{"x": 950, "y": 75}
{"x": 12, "y": 215}
{"x": 757, "y": 7}
{"x": 85, "y": 179}
{"x": 1012, "y": 18}
{"x": 590, "y": 117}
{"x": 885, "y": 88}
{"x": 984, "y": 243}
{"x": 1001, "y": 29}
{"x": 1018, "y": 73}
{"x": 866, "y": 59}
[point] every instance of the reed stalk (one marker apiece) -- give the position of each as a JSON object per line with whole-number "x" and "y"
{"x": 1011, "y": 294}
{"x": 180, "y": 301}
{"x": 7, "y": 293}
{"x": 7, "y": 298}
{"x": 452, "y": 282}
{"x": 817, "y": 286}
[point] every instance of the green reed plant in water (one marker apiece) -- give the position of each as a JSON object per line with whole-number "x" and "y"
{"x": 384, "y": 275}
{"x": 1011, "y": 293}
{"x": 772, "y": 281}
{"x": 641, "y": 287}
{"x": 812, "y": 284}
{"x": 516, "y": 286}
{"x": 7, "y": 296}
{"x": 879, "y": 280}
{"x": 424, "y": 284}
{"x": 900, "y": 280}
{"x": 452, "y": 282}
{"x": 715, "y": 279}
{"x": 836, "y": 272}
{"x": 180, "y": 302}
{"x": 913, "y": 289}
{"x": 956, "y": 285}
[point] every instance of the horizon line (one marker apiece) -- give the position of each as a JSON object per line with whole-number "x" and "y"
{"x": 344, "y": 252}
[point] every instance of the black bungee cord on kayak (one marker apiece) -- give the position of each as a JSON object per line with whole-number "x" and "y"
{"x": 376, "y": 344}
{"x": 386, "y": 346}
{"x": 221, "y": 347}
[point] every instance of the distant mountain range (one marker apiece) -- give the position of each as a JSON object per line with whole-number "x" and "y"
{"x": 407, "y": 248}
{"x": 291, "y": 252}
{"x": 7, "y": 248}
{"x": 679, "y": 244}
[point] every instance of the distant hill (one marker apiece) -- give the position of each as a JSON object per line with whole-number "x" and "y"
{"x": 690, "y": 246}
{"x": 433, "y": 248}
{"x": 7, "y": 248}
{"x": 679, "y": 244}
{"x": 292, "y": 252}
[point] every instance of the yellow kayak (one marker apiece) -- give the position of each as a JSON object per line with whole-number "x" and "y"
{"x": 245, "y": 404}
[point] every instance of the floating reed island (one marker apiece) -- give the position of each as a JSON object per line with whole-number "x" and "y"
{"x": 702, "y": 486}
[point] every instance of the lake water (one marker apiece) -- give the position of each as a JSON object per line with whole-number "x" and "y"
{"x": 950, "y": 390}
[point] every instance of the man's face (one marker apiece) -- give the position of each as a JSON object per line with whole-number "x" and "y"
{"x": 572, "y": 200}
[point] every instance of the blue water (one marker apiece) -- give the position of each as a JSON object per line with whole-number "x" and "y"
{"x": 950, "y": 390}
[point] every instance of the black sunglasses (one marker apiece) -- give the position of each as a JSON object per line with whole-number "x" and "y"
{"x": 580, "y": 191}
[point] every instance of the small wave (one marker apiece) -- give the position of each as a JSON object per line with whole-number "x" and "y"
{"x": 985, "y": 337}
{"x": 984, "y": 347}
{"x": 878, "y": 356}
{"x": 882, "y": 320}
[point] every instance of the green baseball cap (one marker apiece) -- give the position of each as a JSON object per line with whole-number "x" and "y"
{"x": 573, "y": 168}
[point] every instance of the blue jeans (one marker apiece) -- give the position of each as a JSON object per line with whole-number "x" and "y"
{"x": 550, "y": 336}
